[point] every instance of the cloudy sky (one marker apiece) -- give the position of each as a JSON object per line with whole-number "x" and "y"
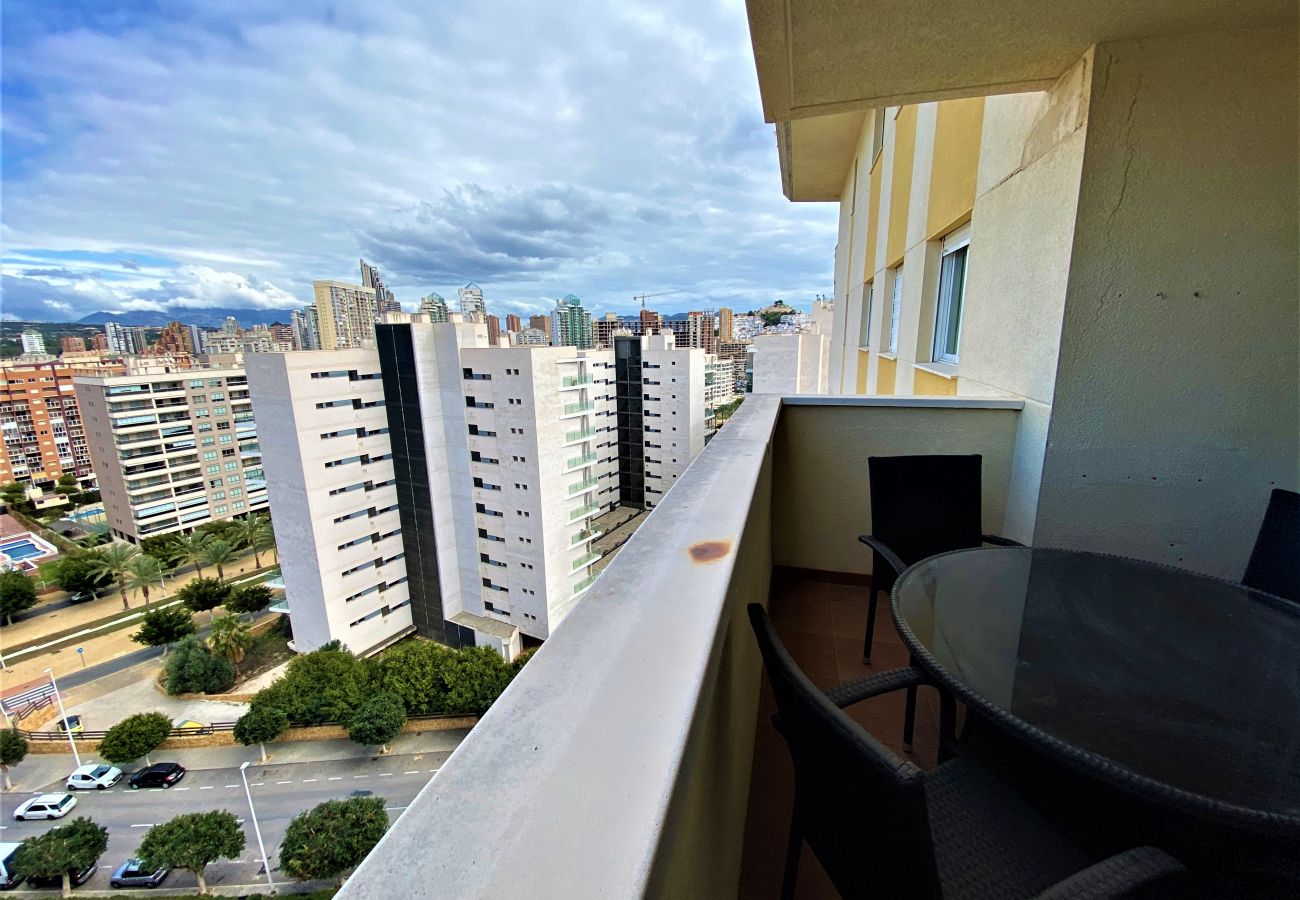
{"x": 225, "y": 153}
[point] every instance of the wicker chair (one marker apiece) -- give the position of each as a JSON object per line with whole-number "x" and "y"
{"x": 1275, "y": 562}
{"x": 881, "y": 827}
{"x": 920, "y": 506}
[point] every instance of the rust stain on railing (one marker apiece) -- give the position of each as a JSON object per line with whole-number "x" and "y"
{"x": 709, "y": 551}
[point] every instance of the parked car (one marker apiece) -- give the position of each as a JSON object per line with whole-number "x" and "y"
{"x": 77, "y": 878}
{"x": 134, "y": 873}
{"x": 71, "y": 723}
{"x": 8, "y": 879}
{"x": 94, "y": 777}
{"x": 45, "y": 806}
{"x": 162, "y": 775}
{"x": 81, "y": 597}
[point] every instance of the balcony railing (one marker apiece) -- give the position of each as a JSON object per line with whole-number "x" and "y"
{"x": 669, "y": 611}
{"x": 586, "y": 534}
{"x": 575, "y": 381}
{"x": 586, "y": 559}
{"x": 579, "y": 487}
{"x": 584, "y": 510}
{"x": 577, "y": 409}
{"x": 574, "y": 437}
{"x": 579, "y": 462}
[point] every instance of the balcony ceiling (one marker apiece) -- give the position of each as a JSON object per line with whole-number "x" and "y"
{"x": 823, "y": 63}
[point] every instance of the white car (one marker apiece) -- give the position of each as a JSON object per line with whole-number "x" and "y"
{"x": 45, "y": 806}
{"x": 94, "y": 777}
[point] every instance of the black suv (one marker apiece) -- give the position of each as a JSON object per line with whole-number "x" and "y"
{"x": 162, "y": 775}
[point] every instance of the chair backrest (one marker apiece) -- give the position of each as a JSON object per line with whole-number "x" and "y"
{"x": 1275, "y": 562}
{"x": 861, "y": 809}
{"x": 923, "y": 505}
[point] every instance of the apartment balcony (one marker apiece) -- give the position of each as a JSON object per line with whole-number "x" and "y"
{"x": 576, "y": 409}
{"x": 577, "y": 437}
{"x": 645, "y": 711}
{"x": 582, "y": 512}
{"x": 581, "y": 487}
{"x": 575, "y": 382}
{"x": 585, "y": 560}
{"x": 584, "y": 536}
{"x": 578, "y": 462}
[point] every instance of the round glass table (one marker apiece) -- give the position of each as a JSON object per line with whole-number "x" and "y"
{"x": 1155, "y": 673}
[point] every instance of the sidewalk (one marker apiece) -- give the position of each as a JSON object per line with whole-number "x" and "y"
{"x": 41, "y": 771}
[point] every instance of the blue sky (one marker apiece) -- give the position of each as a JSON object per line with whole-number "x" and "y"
{"x": 223, "y": 153}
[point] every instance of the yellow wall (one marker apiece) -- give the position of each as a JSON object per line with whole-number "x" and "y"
{"x": 932, "y": 385}
{"x": 900, "y": 190}
{"x": 886, "y": 372}
{"x": 864, "y": 356}
{"x": 957, "y": 135}
{"x": 873, "y": 220}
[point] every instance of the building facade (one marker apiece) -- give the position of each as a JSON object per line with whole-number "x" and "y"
{"x": 472, "y": 305}
{"x": 487, "y": 463}
{"x": 434, "y": 308}
{"x": 571, "y": 324}
{"x": 72, "y": 344}
{"x": 41, "y": 432}
{"x": 172, "y": 449}
{"x": 33, "y": 343}
{"x": 343, "y": 315}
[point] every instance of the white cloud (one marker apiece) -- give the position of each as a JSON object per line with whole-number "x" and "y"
{"x": 536, "y": 148}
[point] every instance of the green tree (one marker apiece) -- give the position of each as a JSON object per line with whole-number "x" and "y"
{"x": 255, "y": 533}
{"x": 260, "y": 724}
{"x": 164, "y": 627}
{"x": 192, "y": 841}
{"x": 219, "y": 554}
{"x": 230, "y": 638}
{"x": 13, "y": 493}
{"x": 249, "y": 598}
{"x": 475, "y": 679}
{"x": 193, "y": 548}
{"x": 415, "y": 672}
{"x": 113, "y": 561}
{"x": 204, "y": 594}
{"x": 67, "y": 484}
{"x": 13, "y": 748}
{"x": 142, "y": 574}
{"x": 194, "y": 669}
{"x": 377, "y": 720}
{"x": 333, "y": 838}
{"x": 17, "y": 593}
{"x": 60, "y": 852}
{"x": 162, "y": 547}
{"x": 317, "y": 687}
{"x": 134, "y": 737}
{"x": 222, "y": 530}
{"x": 78, "y": 574}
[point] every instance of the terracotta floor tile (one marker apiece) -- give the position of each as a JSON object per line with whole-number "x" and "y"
{"x": 815, "y": 653}
{"x": 801, "y": 612}
{"x": 884, "y": 657}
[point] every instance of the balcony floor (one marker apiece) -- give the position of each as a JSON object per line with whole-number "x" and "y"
{"x": 822, "y": 624}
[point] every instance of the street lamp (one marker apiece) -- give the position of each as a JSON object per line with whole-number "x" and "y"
{"x": 67, "y": 726}
{"x": 266, "y": 863}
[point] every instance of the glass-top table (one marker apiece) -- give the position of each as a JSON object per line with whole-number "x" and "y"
{"x": 1186, "y": 680}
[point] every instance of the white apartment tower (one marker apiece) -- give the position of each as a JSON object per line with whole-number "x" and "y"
{"x": 472, "y": 305}
{"x": 172, "y": 449}
{"x": 499, "y": 459}
{"x": 33, "y": 342}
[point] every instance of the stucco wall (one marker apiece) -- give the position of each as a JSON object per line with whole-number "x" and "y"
{"x": 1175, "y": 405}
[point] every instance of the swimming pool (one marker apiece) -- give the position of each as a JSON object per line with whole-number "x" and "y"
{"x": 91, "y": 512}
{"x": 22, "y": 548}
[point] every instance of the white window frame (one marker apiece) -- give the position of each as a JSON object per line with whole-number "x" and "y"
{"x": 864, "y": 330}
{"x": 954, "y": 243}
{"x": 895, "y": 304}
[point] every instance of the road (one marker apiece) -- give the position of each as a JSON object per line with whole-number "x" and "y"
{"x": 280, "y": 791}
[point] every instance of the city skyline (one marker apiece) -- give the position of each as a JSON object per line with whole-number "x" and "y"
{"x": 546, "y": 181}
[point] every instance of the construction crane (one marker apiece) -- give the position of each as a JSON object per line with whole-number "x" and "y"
{"x": 642, "y": 297}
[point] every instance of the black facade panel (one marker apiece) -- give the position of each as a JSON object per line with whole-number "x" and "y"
{"x": 627, "y": 391}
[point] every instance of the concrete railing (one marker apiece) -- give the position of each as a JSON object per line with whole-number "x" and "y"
{"x": 618, "y": 763}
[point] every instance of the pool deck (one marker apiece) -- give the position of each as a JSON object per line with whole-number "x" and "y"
{"x": 44, "y": 550}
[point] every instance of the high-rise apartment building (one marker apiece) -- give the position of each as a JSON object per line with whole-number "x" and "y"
{"x": 486, "y": 464}
{"x": 175, "y": 338}
{"x": 33, "y": 342}
{"x": 41, "y": 431}
{"x": 726, "y": 331}
{"x": 513, "y": 323}
{"x": 99, "y": 342}
{"x": 172, "y": 450}
{"x": 384, "y": 298}
{"x": 283, "y": 335}
{"x": 120, "y": 338}
{"x": 72, "y": 344}
{"x": 699, "y": 328}
{"x": 571, "y": 324}
{"x": 533, "y": 337}
{"x": 434, "y": 308}
{"x": 493, "y": 331}
{"x": 472, "y": 305}
{"x": 344, "y": 314}
{"x": 541, "y": 323}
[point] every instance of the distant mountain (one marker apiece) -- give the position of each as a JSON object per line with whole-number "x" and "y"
{"x": 212, "y": 317}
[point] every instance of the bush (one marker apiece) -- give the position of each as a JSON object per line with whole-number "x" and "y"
{"x": 414, "y": 671}
{"x": 322, "y": 686}
{"x": 134, "y": 737}
{"x": 477, "y": 677}
{"x": 332, "y": 838}
{"x": 78, "y": 574}
{"x": 251, "y": 598}
{"x": 193, "y": 669}
{"x": 203, "y": 594}
{"x": 163, "y": 627}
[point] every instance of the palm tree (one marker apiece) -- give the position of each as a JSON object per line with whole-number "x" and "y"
{"x": 218, "y": 554}
{"x": 230, "y": 637}
{"x": 192, "y": 548}
{"x": 255, "y": 533}
{"x": 142, "y": 573}
{"x": 114, "y": 560}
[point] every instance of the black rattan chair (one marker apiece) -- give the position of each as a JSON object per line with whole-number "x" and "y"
{"x": 883, "y": 828}
{"x": 920, "y": 506}
{"x": 1275, "y": 562}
